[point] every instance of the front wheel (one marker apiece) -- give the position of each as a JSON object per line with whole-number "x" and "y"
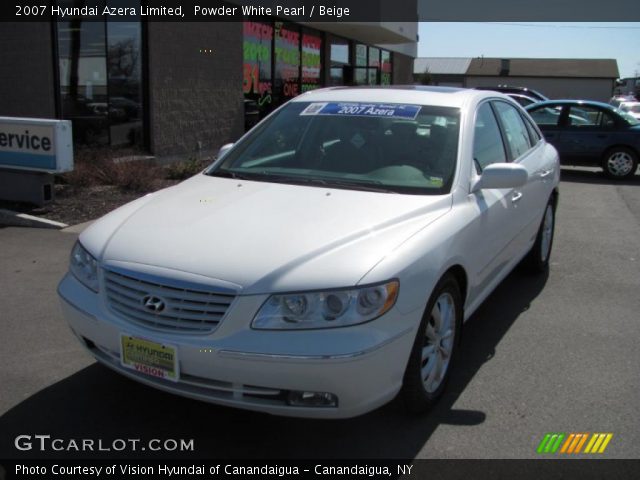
{"x": 434, "y": 348}
{"x": 620, "y": 162}
{"x": 538, "y": 257}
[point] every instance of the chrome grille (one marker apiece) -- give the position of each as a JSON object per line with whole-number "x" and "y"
{"x": 188, "y": 310}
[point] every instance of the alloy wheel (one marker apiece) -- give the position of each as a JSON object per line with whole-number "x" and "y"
{"x": 438, "y": 342}
{"x": 620, "y": 163}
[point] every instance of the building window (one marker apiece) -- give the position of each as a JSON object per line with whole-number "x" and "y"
{"x": 311, "y": 61}
{"x": 286, "y": 83}
{"x": 360, "y": 72}
{"x": 339, "y": 56}
{"x": 124, "y": 83}
{"x": 83, "y": 79}
{"x": 385, "y": 68}
{"x": 257, "y": 73}
{"x": 282, "y": 60}
{"x": 374, "y": 66}
{"x": 101, "y": 80}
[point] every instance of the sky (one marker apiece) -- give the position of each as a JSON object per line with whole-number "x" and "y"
{"x": 620, "y": 41}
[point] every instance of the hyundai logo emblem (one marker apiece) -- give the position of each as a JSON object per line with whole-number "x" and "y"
{"x": 153, "y": 303}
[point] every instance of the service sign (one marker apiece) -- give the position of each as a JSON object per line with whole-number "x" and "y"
{"x": 36, "y": 144}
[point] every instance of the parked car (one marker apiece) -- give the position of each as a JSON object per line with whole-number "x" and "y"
{"x": 616, "y": 100}
{"x": 326, "y": 262}
{"x": 632, "y": 108}
{"x": 513, "y": 90}
{"x": 523, "y": 100}
{"x": 590, "y": 133}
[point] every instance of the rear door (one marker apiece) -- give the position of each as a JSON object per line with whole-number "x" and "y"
{"x": 588, "y": 132}
{"x": 529, "y": 200}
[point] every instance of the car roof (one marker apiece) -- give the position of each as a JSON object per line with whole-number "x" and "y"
{"x": 411, "y": 94}
{"x": 569, "y": 101}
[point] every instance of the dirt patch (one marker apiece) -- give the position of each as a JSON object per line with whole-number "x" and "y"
{"x": 102, "y": 182}
{"x": 77, "y": 205}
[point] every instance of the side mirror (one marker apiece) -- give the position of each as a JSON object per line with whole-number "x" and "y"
{"x": 501, "y": 175}
{"x": 224, "y": 149}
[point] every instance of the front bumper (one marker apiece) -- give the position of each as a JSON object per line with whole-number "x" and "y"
{"x": 254, "y": 369}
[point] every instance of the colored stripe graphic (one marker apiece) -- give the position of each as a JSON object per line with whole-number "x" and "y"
{"x": 598, "y": 442}
{"x": 550, "y": 443}
{"x": 573, "y": 443}
{"x": 570, "y": 438}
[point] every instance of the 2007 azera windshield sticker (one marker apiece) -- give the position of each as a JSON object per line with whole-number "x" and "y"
{"x": 363, "y": 110}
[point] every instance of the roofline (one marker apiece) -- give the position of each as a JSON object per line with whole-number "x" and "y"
{"x": 573, "y": 100}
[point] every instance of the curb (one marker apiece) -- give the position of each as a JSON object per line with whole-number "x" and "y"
{"x": 10, "y": 218}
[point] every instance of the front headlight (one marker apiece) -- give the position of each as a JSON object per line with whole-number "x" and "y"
{"x": 329, "y": 309}
{"x": 84, "y": 267}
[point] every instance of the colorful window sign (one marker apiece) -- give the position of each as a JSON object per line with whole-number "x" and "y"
{"x": 311, "y": 61}
{"x": 257, "y": 58}
{"x": 385, "y": 67}
{"x": 287, "y": 51}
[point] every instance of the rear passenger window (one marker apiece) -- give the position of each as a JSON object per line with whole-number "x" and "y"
{"x": 533, "y": 133}
{"x": 548, "y": 116}
{"x": 487, "y": 141}
{"x": 514, "y": 129}
{"x": 587, "y": 116}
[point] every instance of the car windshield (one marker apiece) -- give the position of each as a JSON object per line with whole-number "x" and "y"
{"x": 373, "y": 146}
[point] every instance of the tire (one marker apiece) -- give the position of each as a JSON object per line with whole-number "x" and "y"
{"x": 425, "y": 379}
{"x": 619, "y": 163}
{"x": 537, "y": 260}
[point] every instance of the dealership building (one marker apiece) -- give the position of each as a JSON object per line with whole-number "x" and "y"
{"x": 173, "y": 89}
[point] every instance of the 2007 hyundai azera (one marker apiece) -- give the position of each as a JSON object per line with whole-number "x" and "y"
{"x": 326, "y": 262}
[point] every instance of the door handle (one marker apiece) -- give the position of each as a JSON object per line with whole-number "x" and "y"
{"x": 546, "y": 173}
{"x": 516, "y": 197}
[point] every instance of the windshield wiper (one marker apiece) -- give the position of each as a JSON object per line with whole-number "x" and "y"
{"x": 335, "y": 183}
{"x": 328, "y": 183}
{"x": 230, "y": 174}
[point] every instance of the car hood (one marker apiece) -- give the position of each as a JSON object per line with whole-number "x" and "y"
{"x": 262, "y": 237}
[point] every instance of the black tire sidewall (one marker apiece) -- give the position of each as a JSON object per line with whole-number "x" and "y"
{"x": 545, "y": 263}
{"x": 415, "y": 396}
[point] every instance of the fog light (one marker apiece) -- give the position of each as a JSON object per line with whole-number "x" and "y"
{"x": 312, "y": 399}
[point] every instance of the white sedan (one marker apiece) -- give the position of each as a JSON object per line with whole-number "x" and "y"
{"x": 327, "y": 261}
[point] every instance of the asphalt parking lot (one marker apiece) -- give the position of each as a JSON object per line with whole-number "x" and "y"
{"x": 554, "y": 353}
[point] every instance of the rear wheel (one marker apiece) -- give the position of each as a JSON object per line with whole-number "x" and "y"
{"x": 620, "y": 162}
{"x": 434, "y": 348}
{"x": 537, "y": 259}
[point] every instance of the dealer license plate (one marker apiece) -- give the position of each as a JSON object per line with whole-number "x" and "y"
{"x": 150, "y": 358}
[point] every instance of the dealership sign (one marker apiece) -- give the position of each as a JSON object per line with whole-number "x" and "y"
{"x": 36, "y": 144}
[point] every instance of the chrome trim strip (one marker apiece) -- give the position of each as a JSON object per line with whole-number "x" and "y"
{"x": 343, "y": 356}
